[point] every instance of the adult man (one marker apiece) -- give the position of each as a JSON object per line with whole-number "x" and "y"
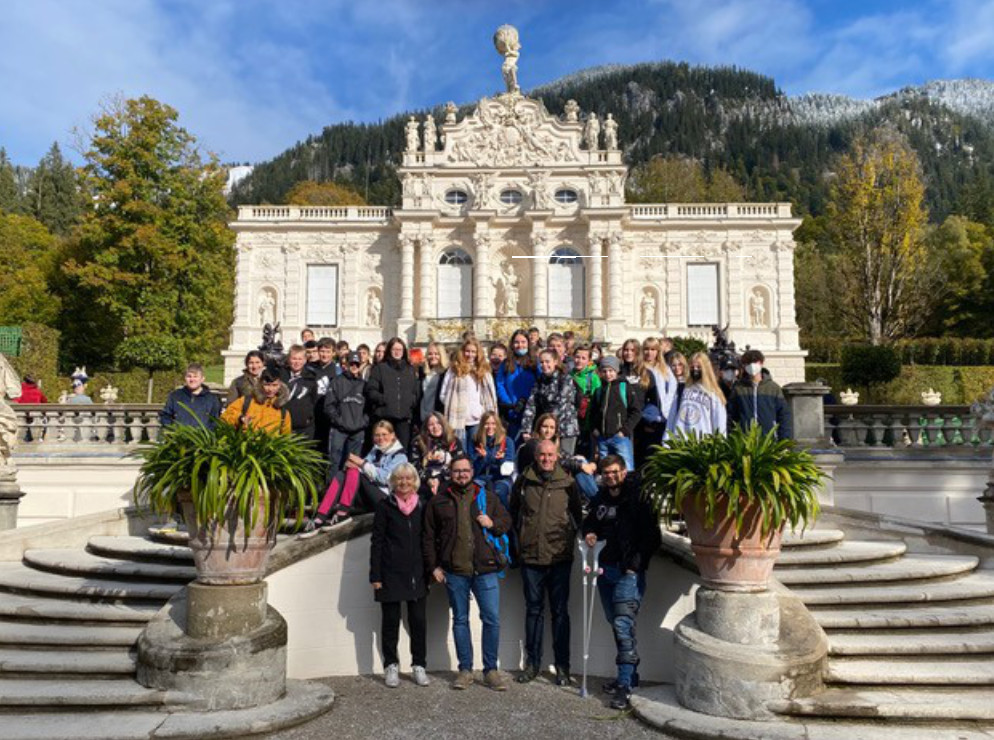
{"x": 620, "y": 516}
{"x": 300, "y": 383}
{"x": 458, "y": 554}
{"x": 546, "y": 510}
{"x": 756, "y": 399}
{"x": 193, "y": 404}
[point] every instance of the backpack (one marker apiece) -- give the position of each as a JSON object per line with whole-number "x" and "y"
{"x": 502, "y": 544}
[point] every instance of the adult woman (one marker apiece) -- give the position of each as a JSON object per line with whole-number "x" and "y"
{"x": 396, "y": 571}
{"x": 659, "y": 399}
{"x": 468, "y": 391}
{"x": 554, "y": 393}
{"x": 362, "y": 483}
{"x": 514, "y": 380}
{"x": 547, "y": 428}
{"x": 431, "y": 381}
{"x": 493, "y": 456}
{"x": 702, "y": 405}
{"x": 394, "y": 391}
{"x": 245, "y": 383}
{"x": 432, "y": 452}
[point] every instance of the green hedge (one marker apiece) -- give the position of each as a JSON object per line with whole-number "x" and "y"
{"x": 958, "y": 385}
{"x": 952, "y": 351}
{"x": 39, "y": 355}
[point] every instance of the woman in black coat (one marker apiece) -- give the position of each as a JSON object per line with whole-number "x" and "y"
{"x": 397, "y": 572}
{"x": 394, "y": 391}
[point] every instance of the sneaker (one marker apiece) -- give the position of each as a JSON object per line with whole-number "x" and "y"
{"x": 420, "y": 675}
{"x": 392, "y": 678}
{"x": 562, "y": 676}
{"x": 611, "y": 686}
{"x": 463, "y": 681}
{"x": 312, "y": 528}
{"x": 622, "y": 698}
{"x": 529, "y": 674}
{"x": 493, "y": 680}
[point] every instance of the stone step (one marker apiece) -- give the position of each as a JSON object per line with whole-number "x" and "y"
{"x": 46, "y": 693}
{"x": 64, "y": 662}
{"x": 303, "y": 701}
{"x": 67, "y": 635}
{"x": 19, "y": 578}
{"x": 813, "y": 538}
{"x": 962, "y": 703}
{"x": 972, "y": 586}
{"x": 45, "y": 609}
{"x": 80, "y": 562}
{"x": 906, "y": 617}
{"x": 843, "y": 553}
{"x": 910, "y": 568}
{"x": 913, "y": 642}
{"x": 169, "y": 535}
{"x": 139, "y": 548}
{"x": 924, "y": 670}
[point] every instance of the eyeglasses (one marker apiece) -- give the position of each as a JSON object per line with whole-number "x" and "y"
{"x": 462, "y": 471}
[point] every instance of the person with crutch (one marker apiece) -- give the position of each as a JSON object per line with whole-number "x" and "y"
{"x": 591, "y": 569}
{"x": 622, "y": 518}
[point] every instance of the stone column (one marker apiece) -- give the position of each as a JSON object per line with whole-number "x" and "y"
{"x": 807, "y": 412}
{"x": 615, "y": 278}
{"x": 595, "y": 292}
{"x": 426, "y": 262}
{"x": 406, "y": 278}
{"x": 540, "y": 275}
{"x": 483, "y": 304}
{"x": 10, "y": 497}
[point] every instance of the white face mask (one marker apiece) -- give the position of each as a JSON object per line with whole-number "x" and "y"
{"x": 753, "y": 368}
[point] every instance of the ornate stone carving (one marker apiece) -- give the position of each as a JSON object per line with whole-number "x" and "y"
{"x": 761, "y": 264}
{"x": 615, "y": 182}
{"x": 10, "y": 386}
{"x": 610, "y": 133}
{"x": 450, "y": 112}
{"x": 266, "y": 306}
{"x": 417, "y": 188}
{"x": 483, "y": 186}
{"x": 411, "y": 133}
{"x": 481, "y": 240}
{"x": 759, "y": 307}
{"x": 592, "y": 132}
{"x": 430, "y": 134}
{"x": 374, "y": 308}
{"x": 539, "y": 183}
{"x": 572, "y": 111}
{"x": 506, "y": 287}
{"x": 508, "y": 46}
{"x": 647, "y": 309}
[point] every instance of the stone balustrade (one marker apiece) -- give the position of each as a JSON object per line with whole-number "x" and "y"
{"x": 683, "y": 211}
{"x": 904, "y": 427}
{"x": 64, "y": 427}
{"x": 314, "y": 213}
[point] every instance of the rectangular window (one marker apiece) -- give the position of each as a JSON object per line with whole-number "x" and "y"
{"x": 322, "y": 295}
{"x": 702, "y": 295}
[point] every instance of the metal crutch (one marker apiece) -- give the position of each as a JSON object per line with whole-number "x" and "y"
{"x": 591, "y": 569}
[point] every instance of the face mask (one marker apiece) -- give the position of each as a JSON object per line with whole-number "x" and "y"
{"x": 521, "y": 352}
{"x": 595, "y": 356}
{"x": 728, "y": 375}
{"x": 753, "y": 368}
{"x": 695, "y": 374}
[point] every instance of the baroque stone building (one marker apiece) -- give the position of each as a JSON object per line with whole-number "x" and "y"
{"x": 514, "y": 217}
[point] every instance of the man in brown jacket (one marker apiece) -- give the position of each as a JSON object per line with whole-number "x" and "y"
{"x": 546, "y": 510}
{"x": 457, "y": 553}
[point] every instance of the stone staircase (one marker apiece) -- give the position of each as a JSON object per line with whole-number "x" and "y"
{"x": 911, "y": 637}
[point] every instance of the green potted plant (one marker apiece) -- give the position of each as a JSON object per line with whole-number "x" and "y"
{"x": 234, "y": 486}
{"x": 736, "y": 493}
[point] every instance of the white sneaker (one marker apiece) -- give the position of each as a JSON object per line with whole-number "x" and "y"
{"x": 392, "y": 678}
{"x": 420, "y": 676}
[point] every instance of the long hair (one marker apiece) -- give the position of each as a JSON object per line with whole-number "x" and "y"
{"x": 447, "y": 434}
{"x": 442, "y": 357}
{"x": 462, "y": 367}
{"x": 638, "y": 367}
{"x": 708, "y": 381}
{"x": 387, "y": 357}
{"x": 659, "y": 365}
{"x": 480, "y": 438}
{"x": 674, "y": 356}
{"x": 541, "y": 420}
{"x": 555, "y": 356}
{"x": 513, "y": 361}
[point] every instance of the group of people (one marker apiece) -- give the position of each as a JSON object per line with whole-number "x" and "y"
{"x": 479, "y": 460}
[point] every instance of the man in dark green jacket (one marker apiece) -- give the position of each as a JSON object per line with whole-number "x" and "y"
{"x": 756, "y": 399}
{"x": 546, "y": 510}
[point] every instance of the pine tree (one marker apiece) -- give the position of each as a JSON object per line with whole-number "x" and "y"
{"x": 10, "y": 195}
{"x": 53, "y": 195}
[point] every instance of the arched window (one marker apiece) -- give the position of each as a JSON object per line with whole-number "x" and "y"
{"x": 455, "y": 284}
{"x": 566, "y": 284}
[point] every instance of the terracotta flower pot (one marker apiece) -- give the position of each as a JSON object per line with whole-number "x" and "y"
{"x": 730, "y": 562}
{"x": 224, "y": 553}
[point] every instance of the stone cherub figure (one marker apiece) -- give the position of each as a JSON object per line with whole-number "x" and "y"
{"x": 508, "y": 46}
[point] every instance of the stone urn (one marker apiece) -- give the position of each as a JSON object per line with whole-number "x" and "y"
{"x": 849, "y": 397}
{"x": 931, "y": 397}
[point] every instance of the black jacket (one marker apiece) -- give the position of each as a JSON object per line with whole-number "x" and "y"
{"x": 394, "y": 391}
{"x": 628, "y": 524}
{"x": 303, "y": 400}
{"x": 611, "y": 412}
{"x": 440, "y": 531}
{"x": 395, "y": 558}
{"x": 345, "y": 403}
{"x": 206, "y": 407}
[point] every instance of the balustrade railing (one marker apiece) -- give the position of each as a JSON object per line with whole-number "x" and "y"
{"x": 64, "y": 427}
{"x": 314, "y": 213}
{"x": 900, "y": 427}
{"x": 660, "y": 211}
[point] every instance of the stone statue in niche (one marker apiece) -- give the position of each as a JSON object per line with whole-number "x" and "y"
{"x": 506, "y": 284}
{"x": 572, "y": 111}
{"x": 647, "y": 309}
{"x": 450, "y": 112}
{"x": 482, "y": 190}
{"x": 508, "y": 46}
{"x": 267, "y": 307}
{"x": 592, "y": 132}
{"x": 374, "y": 308}
{"x": 758, "y": 310}
{"x": 610, "y": 133}
{"x": 539, "y": 182}
{"x": 411, "y": 132}
{"x": 431, "y": 134}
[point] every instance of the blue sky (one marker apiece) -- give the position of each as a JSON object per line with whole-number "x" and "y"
{"x": 250, "y": 78}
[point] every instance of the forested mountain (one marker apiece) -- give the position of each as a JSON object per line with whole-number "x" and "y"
{"x": 777, "y": 147}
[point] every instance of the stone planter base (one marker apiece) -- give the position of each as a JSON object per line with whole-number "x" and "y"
{"x": 10, "y": 497}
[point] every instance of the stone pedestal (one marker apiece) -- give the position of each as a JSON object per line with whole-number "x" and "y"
{"x": 10, "y": 497}
{"x": 987, "y": 499}
{"x": 807, "y": 410}
{"x": 739, "y": 651}
{"x": 220, "y": 612}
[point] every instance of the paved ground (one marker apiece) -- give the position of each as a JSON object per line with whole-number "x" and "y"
{"x": 365, "y": 708}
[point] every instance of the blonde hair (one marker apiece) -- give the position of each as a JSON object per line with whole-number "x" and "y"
{"x": 480, "y": 438}
{"x": 404, "y": 470}
{"x": 659, "y": 365}
{"x": 384, "y": 424}
{"x": 708, "y": 380}
{"x": 442, "y": 357}
{"x": 461, "y": 366}
{"x": 638, "y": 367}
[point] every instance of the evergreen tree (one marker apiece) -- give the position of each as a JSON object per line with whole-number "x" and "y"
{"x": 53, "y": 195}
{"x": 10, "y": 194}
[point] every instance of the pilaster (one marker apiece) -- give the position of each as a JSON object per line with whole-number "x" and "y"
{"x": 426, "y": 244}
{"x": 483, "y": 304}
{"x": 595, "y": 289}
{"x": 540, "y": 272}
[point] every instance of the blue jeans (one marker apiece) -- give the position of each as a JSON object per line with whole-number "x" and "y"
{"x": 621, "y": 596}
{"x": 486, "y": 590}
{"x": 340, "y": 444}
{"x": 467, "y": 437}
{"x": 616, "y": 445}
{"x": 537, "y": 581}
{"x": 587, "y": 484}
